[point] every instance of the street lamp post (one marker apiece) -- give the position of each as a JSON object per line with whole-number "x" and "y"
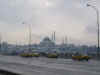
{"x": 97, "y": 13}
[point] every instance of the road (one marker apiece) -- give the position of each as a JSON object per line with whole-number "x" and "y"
{"x": 45, "y": 66}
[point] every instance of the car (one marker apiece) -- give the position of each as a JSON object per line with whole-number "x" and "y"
{"x": 52, "y": 55}
{"x": 30, "y": 55}
{"x": 81, "y": 57}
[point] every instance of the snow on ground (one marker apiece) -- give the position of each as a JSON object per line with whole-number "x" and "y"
{"x": 47, "y": 66}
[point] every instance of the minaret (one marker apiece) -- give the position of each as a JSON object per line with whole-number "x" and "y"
{"x": 54, "y": 36}
{"x": 30, "y": 38}
{"x": 63, "y": 42}
{"x": 66, "y": 40}
{"x": 0, "y": 41}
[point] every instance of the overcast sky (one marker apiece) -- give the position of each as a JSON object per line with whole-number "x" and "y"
{"x": 69, "y": 18}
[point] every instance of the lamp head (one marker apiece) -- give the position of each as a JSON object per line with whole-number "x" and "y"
{"x": 88, "y": 5}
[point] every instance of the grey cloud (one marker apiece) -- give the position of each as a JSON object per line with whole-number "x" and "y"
{"x": 67, "y": 17}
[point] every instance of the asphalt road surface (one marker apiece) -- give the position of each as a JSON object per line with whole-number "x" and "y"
{"x": 45, "y": 66}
